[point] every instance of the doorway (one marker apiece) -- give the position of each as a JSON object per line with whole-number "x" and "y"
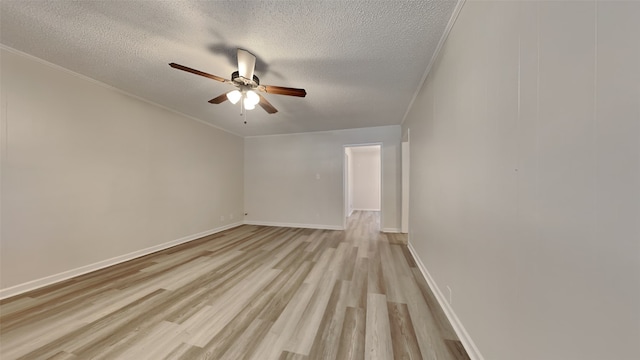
{"x": 362, "y": 179}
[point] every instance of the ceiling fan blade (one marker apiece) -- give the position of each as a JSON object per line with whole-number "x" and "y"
{"x": 279, "y": 90}
{"x": 267, "y": 105}
{"x": 220, "y": 99}
{"x": 197, "y": 72}
{"x": 246, "y": 64}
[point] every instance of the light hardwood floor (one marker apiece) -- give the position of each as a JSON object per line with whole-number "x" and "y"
{"x": 252, "y": 292}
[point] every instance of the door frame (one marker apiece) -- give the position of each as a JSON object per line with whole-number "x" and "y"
{"x": 405, "y": 210}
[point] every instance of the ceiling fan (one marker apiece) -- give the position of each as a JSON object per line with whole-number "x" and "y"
{"x": 246, "y": 84}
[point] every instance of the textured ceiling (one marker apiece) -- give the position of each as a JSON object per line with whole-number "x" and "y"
{"x": 361, "y": 62}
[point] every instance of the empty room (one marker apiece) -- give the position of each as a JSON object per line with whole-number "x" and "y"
{"x": 389, "y": 179}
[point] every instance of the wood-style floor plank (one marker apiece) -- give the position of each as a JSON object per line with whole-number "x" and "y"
{"x": 252, "y": 292}
{"x": 405, "y": 343}
{"x": 352, "y": 338}
{"x": 325, "y": 345}
{"x": 377, "y": 340}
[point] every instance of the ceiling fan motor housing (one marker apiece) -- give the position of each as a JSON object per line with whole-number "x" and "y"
{"x": 235, "y": 77}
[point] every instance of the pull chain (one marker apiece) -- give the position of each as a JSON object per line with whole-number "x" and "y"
{"x": 242, "y": 110}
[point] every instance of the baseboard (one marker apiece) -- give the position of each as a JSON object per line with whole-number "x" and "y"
{"x": 390, "y": 230}
{"x": 38, "y": 283}
{"x": 354, "y": 209}
{"x": 294, "y": 225}
{"x": 469, "y": 345}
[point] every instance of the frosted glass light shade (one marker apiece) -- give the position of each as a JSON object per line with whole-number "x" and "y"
{"x": 248, "y": 105}
{"x": 252, "y": 98}
{"x": 234, "y": 96}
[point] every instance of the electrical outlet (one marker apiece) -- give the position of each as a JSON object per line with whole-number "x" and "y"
{"x": 230, "y": 216}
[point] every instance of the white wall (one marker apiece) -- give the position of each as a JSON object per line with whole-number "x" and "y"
{"x": 297, "y": 179}
{"x": 525, "y": 178}
{"x": 366, "y": 178}
{"x": 89, "y": 173}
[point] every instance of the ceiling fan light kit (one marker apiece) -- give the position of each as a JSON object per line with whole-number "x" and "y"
{"x": 248, "y": 105}
{"x": 246, "y": 84}
{"x": 234, "y": 96}
{"x": 251, "y": 97}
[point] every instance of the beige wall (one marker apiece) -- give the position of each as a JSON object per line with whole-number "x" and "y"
{"x": 297, "y": 179}
{"x": 89, "y": 173}
{"x": 525, "y": 178}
